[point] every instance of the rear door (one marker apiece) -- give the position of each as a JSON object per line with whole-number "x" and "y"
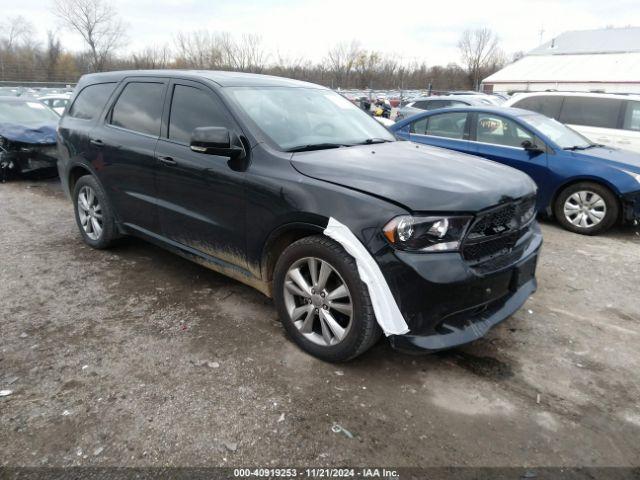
{"x": 127, "y": 140}
{"x": 447, "y": 130}
{"x": 201, "y": 197}
{"x": 598, "y": 119}
{"x": 500, "y": 139}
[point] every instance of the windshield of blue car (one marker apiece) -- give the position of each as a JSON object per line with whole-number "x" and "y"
{"x": 297, "y": 118}
{"x": 30, "y": 113}
{"x": 557, "y": 132}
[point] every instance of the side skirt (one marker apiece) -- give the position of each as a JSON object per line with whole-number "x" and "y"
{"x": 213, "y": 263}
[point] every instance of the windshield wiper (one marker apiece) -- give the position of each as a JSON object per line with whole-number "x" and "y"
{"x": 370, "y": 141}
{"x": 576, "y": 147}
{"x": 315, "y": 146}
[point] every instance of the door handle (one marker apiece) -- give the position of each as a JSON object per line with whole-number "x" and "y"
{"x": 97, "y": 142}
{"x": 167, "y": 160}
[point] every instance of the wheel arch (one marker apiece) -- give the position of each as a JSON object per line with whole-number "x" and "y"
{"x": 280, "y": 239}
{"x": 75, "y": 172}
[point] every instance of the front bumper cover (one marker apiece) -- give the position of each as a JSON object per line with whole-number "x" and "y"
{"x": 631, "y": 208}
{"x": 448, "y": 302}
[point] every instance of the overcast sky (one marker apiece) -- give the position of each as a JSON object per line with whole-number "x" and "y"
{"x": 412, "y": 30}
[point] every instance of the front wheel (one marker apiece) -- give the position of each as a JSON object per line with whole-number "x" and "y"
{"x": 322, "y": 303}
{"x": 94, "y": 216}
{"x": 586, "y": 208}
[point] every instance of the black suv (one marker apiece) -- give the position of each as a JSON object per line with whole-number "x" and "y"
{"x": 291, "y": 189}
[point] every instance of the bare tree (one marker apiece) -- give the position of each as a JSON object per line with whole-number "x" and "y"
{"x": 18, "y": 31}
{"x": 341, "y": 59}
{"x": 199, "y": 49}
{"x": 152, "y": 58}
{"x": 480, "y": 52}
{"x": 97, "y": 22}
{"x": 51, "y": 55}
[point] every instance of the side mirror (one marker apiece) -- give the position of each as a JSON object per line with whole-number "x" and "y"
{"x": 217, "y": 141}
{"x": 531, "y": 147}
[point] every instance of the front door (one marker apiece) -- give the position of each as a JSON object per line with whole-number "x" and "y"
{"x": 501, "y": 139}
{"x": 201, "y": 200}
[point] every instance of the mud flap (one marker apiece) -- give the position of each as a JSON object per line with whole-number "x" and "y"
{"x": 385, "y": 307}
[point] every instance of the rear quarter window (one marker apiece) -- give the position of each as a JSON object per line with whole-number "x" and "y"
{"x": 632, "y": 116}
{"x": 549, "y": 105}
{"x": 591, "y": 112}
{"x": 90, "y": 101}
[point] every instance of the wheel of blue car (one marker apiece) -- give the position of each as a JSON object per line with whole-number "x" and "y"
{"x": 323, "y": 305}
{"x": 587, "y": 208}
{"x": 94, "y": 215}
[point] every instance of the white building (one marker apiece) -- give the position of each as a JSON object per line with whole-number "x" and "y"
{"x": 606, "y": 60}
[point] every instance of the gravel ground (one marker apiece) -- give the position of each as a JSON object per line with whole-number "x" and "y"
{"x": 136, "y": 357}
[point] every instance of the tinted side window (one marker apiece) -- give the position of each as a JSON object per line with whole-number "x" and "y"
{"x": 139, "y": 108}
{"x": 91, "y": 100}
{"x": 422, "y": 104}
{"x": 548, "y": 106}
{"x": 591, "y": 112}
{"x": 500, "y": 131}
{"x": 632, "y": 116}
{"x": 433, "y": 104}
{"x": 192, "y": 108}
{"x": 450, "y": 125}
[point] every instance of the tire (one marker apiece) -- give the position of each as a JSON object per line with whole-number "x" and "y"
{"x": 360, "y": 326}
{"x": 101, "y": 206}
{"x": 583, "y": 196}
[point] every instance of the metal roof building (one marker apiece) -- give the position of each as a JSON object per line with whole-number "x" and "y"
{"x": 606, "y": 60}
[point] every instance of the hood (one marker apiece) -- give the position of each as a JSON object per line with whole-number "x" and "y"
{"x": 41, "y": 134}
{"x": 624, "y": 159}
{"x": 419, "y": 177}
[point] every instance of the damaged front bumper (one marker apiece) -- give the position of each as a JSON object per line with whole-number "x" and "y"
{"x": 26, "y": 159}
{"x": 631, "y": 208}
{"x": 448, "y": 302}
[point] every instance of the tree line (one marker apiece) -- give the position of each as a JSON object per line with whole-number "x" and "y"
{"x": 102, "y": 33}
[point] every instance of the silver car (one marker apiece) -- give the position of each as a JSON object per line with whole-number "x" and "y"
{"x": 418, "y": 105}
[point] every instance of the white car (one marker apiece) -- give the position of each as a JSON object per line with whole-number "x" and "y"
{"x": 606, "y": 118}
{"x": 56, "y": 101}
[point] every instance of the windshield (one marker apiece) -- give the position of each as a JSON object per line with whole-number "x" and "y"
{"x": 308, "y": 118}
{"x": 26, "y": 113}
{"x": 562, "y": 135}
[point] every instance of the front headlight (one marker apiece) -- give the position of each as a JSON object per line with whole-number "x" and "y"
{"x": 634, "y": 175}
{"x": 426, "y": 234}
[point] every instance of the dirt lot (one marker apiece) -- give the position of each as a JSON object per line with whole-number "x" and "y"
{"x": 135, "y": 356}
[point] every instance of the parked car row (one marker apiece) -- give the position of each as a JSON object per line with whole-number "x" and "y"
{"x": 295, "y": 191}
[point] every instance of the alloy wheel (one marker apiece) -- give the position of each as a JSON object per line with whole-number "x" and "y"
{"x": 585, "y": 209}
{"x": 90, "y": 213}
{"x": 318, "y": 301}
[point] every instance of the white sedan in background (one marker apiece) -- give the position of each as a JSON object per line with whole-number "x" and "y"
{"x": 56, "y": 101}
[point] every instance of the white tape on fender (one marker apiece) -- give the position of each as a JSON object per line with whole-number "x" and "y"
{"x": 385, "y": 307}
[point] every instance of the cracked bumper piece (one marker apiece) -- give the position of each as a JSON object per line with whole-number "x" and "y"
{"x": 471, "y": 328}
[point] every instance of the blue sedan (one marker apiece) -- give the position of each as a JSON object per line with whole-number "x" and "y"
{"x": 587, "y": 187}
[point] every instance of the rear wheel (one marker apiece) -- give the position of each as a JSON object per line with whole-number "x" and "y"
{"x": 93, "y": 213}
{"x": 323, "y": 305}
{"x": 586, "y": 208}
